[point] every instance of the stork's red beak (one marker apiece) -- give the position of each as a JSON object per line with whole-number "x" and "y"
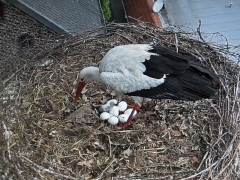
{"x": 80, "y": 87}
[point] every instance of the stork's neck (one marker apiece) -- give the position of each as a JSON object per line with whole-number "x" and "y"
{"x": 96, "y": 75}
{"x": 90, "y": 74}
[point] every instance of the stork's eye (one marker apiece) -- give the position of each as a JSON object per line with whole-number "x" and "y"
{"x": 82, "y": 79}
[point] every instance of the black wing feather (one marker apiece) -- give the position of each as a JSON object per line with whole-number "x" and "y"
{"x": 185, "y": 80}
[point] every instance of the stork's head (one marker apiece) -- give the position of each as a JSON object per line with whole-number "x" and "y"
{"x": 86, "y": 75}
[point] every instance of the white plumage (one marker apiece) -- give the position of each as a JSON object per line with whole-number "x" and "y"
{"x": 122, "y": 68}
{"x": 129, "y": 82}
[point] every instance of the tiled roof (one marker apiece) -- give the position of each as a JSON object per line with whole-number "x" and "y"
{"x": 63, "y": 16}
{"x": 142, "y": 10}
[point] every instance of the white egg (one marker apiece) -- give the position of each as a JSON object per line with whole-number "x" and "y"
{"x": 105, "y": 116}
{"x": 112, "y": 101}
{"x": 122, "y": 106}
{"x": 114, "y": 111}
{"x": 113, "y": 120}
{"x": 129, "y": 111}
{"x": 106, "y": 107}
{"x": 123, "y": 118}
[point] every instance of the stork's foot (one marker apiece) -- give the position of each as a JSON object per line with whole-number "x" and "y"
{"x": 138, "y": 103}
{"x": 135, "y": 107}
{"x": 123, "y": 126}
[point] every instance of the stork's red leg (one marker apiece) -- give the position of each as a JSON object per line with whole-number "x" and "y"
{"x": 136, "y": 107}
{"x": 132, "y": 106}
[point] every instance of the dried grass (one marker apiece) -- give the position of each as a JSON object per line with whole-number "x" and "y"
{"x": 46, "y": 135}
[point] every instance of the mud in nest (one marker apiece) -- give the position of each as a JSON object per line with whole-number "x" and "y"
{"x": 45, "y": 134}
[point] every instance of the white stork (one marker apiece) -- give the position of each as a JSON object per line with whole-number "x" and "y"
{"x": 155, "y": 72}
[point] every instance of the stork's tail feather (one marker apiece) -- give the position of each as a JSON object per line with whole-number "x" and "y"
{"x": 199, "y": 82}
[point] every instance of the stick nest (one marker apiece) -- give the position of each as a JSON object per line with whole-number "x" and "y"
{"x": 45, "y": 134}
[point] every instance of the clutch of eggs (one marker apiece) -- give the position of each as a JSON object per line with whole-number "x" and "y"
{"x": 114, "y": 112}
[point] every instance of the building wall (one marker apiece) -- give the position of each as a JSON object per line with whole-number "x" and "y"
{"x": 142, "y": 10}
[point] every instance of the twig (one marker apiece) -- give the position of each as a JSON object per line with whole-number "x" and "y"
{"x": 101, "y": 174}
{"x": 49, "y": 171}
{"x": 203, "y": 159}
{"x": 125, "y": 37}
{"x": 7, "y": 135}
{"x": 199, "y": 30}
{"x": 110, "y": 145}
{"x": 227, "y": 165}
{"x": 195, "y": 175}
{"x": 226, "y": 153}
{"x": 176, "y": 42}
{"x": 235, "y": 94}
{"x": 6, "y": 80}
